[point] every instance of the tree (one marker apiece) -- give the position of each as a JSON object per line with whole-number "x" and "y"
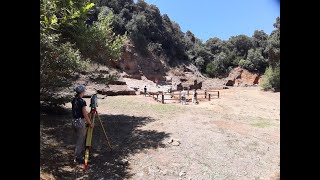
{"x": 241, "y": 44}
{"x": 271, "y": 77}
{"x": 68, "y": 39}
{"x": 98, "y": 41}
{"x": 138, "y": 28}
{"x": 256, "y": 58}
{"x": 246, "y": 64}
{"x": 215, "y": 45}
{"x": 259, "y": 39}
{"x": 199, "y": 62}
{"x": 197, "y": 52}
{"x": 222, "y": 64}
{"x": 191, "y": 38}
{"x": 59, "y": 59}
{"x": 58, "y": 64}
{"x": 153, "y": 33}
{"x": 277, "y": 24}
{"x": 211, "y": 69}
{"x": 115, "y": 5}
{"x": 179, "y": 46}
{"x": 218, "y": 66}
{"x": 58, "y": 15}
{"x": 273, "y": 48}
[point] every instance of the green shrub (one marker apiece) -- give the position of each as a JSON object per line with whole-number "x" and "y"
{"x": 246, "y": 64}
{"x": 211, "y": 69}
{"x": 155, "y": 48}
{"x": 219, "y": 66}
{"x": 138, "y": 28}
{"x": 256, "y": 58}
{"x": 199, "y": 62}
{"x": 98, "y": 41}
{"x": 214, "y": 69}
{"x": 271, "y": 79}
{"x": 58, "y": 63}
{"x": 60, "y": 60}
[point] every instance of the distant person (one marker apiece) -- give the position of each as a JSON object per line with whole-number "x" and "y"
{"x": 145, "y": 90}
{"x": 80, "y": 116}
{"x": 183, "y": 97}
{"x": 194, "y": 97}
{"x": 156, "y": 81}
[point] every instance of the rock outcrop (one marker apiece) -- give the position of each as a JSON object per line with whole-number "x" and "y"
{"x": 115, "y": 90}
{"x": 135, "y": 66}
{"x": 242, "y": 77}
{"x": 117, "y": 82}
{"x": 190, "y": 86}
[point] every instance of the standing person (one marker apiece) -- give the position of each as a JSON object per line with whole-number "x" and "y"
{"x": 194, "y": 97}
{"x": 183, "y": 97}
{"x": 145, "y": 90}
{"x": 156, "y": 81}
{"x": 80, "y": 116}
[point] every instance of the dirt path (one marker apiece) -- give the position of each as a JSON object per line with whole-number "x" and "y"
{"x": 234, "y": 137}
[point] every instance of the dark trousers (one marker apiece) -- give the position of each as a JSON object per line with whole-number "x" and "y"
{"x": 80, "y": 130}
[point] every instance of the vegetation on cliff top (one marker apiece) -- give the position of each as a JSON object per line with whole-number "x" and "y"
{"x": 73, "y": 33}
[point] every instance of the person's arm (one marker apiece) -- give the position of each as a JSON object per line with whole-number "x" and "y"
{"x": 85, "y": 115}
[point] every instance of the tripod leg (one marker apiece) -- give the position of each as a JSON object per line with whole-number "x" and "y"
{"x": 104, "y": 131}
{"x": 88, "y": 141}
{"x": 86, "y": 159}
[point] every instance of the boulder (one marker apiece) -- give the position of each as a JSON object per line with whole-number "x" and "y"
{"x": 235, "y": 73}
{"x": 249, "y": 78}
{"x": 117, "y": 83}
{"x": 242, "y": 77}
{"x": 133, "y": 76}
{"x": 190, "y": 86}
{"x": 115, "y": 90}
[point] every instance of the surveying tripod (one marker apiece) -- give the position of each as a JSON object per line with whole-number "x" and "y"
{"x": 93, "y": 113}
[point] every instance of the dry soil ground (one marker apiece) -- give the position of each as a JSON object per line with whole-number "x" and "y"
{"x": 234, "y": 137}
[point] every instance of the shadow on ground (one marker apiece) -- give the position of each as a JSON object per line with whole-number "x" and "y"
{"x": 57, "y": 146}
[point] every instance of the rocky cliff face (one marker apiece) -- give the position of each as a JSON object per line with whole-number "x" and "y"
{"x": 134, "y": 72}
{"x": 135, "y": 66}
{"x": 242, "y": 77}
{"x": 149, "y": 68}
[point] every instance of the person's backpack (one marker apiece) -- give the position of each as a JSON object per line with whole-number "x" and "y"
{"x": 76, "y": 103}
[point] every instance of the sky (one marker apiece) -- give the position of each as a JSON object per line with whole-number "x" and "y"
{"x": 221, "y": 18}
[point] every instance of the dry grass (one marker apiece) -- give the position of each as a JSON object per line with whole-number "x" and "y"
{"x": 234, "y": 137}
